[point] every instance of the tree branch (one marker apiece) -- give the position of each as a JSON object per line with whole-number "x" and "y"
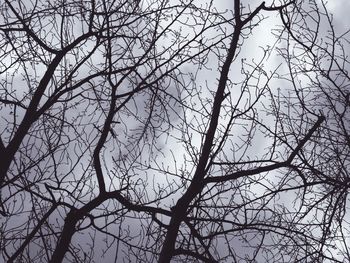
{"x": 271, "y": 167}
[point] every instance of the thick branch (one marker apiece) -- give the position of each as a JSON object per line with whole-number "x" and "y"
{"x": 271, "y": 167}
{"x": 196, "y": 183}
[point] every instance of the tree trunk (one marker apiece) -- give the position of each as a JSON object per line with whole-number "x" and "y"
{"x": 66, "y": 237}
{"x": 170, "y": 239}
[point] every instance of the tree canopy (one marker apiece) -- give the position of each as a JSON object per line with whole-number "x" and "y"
{"x": 182, "y": 131}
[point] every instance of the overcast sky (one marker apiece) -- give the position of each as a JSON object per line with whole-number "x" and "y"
{"x": 261, "y": 37}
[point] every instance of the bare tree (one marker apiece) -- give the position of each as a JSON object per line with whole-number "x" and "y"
{"x": 141, "y": 131}
{"x": 318, "y": 73}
